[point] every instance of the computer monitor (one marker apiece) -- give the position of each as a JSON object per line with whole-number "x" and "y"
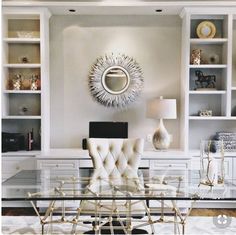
{"x": 108, "y": 130}
{"x": 117, "y": 130}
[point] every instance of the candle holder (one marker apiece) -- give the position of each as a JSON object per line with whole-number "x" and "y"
{"x": 212, "y": 170}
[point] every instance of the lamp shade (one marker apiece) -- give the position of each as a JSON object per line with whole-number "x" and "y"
{"x": 162, "y": 108}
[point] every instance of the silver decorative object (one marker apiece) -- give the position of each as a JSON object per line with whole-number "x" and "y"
{"x": 34, "y": 85}
{"x": 205, "y": 113}
{"x": 17, "y": 82}
{"x": 115, "y": 80}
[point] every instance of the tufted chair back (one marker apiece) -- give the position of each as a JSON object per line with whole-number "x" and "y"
{"x": 115, "y": 160}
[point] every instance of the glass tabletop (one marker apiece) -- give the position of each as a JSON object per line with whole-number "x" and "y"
{"x": 39, "y": 185}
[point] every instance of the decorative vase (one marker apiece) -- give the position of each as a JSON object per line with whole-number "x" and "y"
{"x": 161, "y": 138}
{"x": 211, "y": 162}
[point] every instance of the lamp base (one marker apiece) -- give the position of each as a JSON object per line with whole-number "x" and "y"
{"x": 161, "y": 138}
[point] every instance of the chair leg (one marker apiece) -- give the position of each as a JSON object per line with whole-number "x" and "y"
{"x": 150, "y": 221}
{"x": 42, "y": 229}
{"x": 75, "y": 221}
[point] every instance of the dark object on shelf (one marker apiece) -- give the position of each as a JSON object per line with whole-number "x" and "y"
{"x": 12, "y": 142}
{"x": 205, "y": 81}
{"x": 117, "y": 130}
{"x": 30, "y": 140}
{"x": 84, "y": 144}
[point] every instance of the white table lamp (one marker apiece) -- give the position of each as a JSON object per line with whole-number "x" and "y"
{"x": 160, "y": 108}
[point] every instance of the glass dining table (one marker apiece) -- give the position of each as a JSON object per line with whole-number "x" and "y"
{"x": 115, "y": 204}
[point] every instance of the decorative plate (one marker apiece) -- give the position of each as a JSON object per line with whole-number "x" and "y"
{"x": 206, "y": 29}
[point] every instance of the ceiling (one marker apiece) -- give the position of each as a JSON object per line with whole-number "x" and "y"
{"x": 119, "y": 7}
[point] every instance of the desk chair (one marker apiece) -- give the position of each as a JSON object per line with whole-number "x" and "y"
{"x": 116, "y": 163}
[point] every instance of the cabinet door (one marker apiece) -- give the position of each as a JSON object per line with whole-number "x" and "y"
{"x": 65, "y": 168}
{"x": 12, "y": 165}
{"x": 195, "y": 167}
{"x": 170, "y": 170}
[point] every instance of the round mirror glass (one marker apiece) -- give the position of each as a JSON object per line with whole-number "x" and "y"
{"x": 115, "y": 79}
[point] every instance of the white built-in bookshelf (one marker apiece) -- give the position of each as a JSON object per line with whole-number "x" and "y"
{"x": 221, "y": 99}
{"x": 25, "y": 55}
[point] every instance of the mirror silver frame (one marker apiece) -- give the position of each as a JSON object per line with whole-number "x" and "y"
{"x": 113, "y": 98}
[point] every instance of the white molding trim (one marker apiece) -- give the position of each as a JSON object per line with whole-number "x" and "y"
{"x": 129, "y": 7}
{"x": 121, "y": 3}
{"x": 209, "y": 10}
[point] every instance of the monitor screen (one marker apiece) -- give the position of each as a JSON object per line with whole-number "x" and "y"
{"x": 108, "y": 130}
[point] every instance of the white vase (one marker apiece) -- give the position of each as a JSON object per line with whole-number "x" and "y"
{"x": 161, "y": 138}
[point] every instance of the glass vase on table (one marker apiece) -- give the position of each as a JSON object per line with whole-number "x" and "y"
{"x": 212, "y": 170}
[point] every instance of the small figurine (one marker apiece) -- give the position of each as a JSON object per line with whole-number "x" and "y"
{"x": 196, "y": 56}
{"x": 34, "y": 84}
{"x": 205, "y": 81}
{"x": 17, "y": 82}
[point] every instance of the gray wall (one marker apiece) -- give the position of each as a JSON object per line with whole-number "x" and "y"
{"x": 76, "y": 42}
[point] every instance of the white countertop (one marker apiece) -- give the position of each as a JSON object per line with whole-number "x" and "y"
{"x": 74, "y": 153}
{"x": 83, "y": 154}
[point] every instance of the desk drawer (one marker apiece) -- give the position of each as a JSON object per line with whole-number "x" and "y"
{"x": 11, "y": 166}
{"x": 160, "y": 164}
{"x": 57, "y": 164}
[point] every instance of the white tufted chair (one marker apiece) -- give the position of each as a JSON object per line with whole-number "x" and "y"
{"x": 116, "y": 163}
{"x": 115, "y": 160}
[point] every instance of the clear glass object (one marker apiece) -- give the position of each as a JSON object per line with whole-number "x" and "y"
{"x": 212, "y": 170}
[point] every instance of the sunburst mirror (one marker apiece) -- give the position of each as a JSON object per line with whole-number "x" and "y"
{"x": 115, "y": 81}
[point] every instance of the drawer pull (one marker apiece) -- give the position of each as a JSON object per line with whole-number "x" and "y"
{"x": 57, "y": 165}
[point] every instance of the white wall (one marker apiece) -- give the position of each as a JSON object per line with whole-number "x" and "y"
{"x": 234, "y": 54}
{"x": 76, "y": 42}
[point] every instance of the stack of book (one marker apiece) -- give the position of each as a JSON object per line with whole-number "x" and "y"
{"x": 229, "y": 140}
